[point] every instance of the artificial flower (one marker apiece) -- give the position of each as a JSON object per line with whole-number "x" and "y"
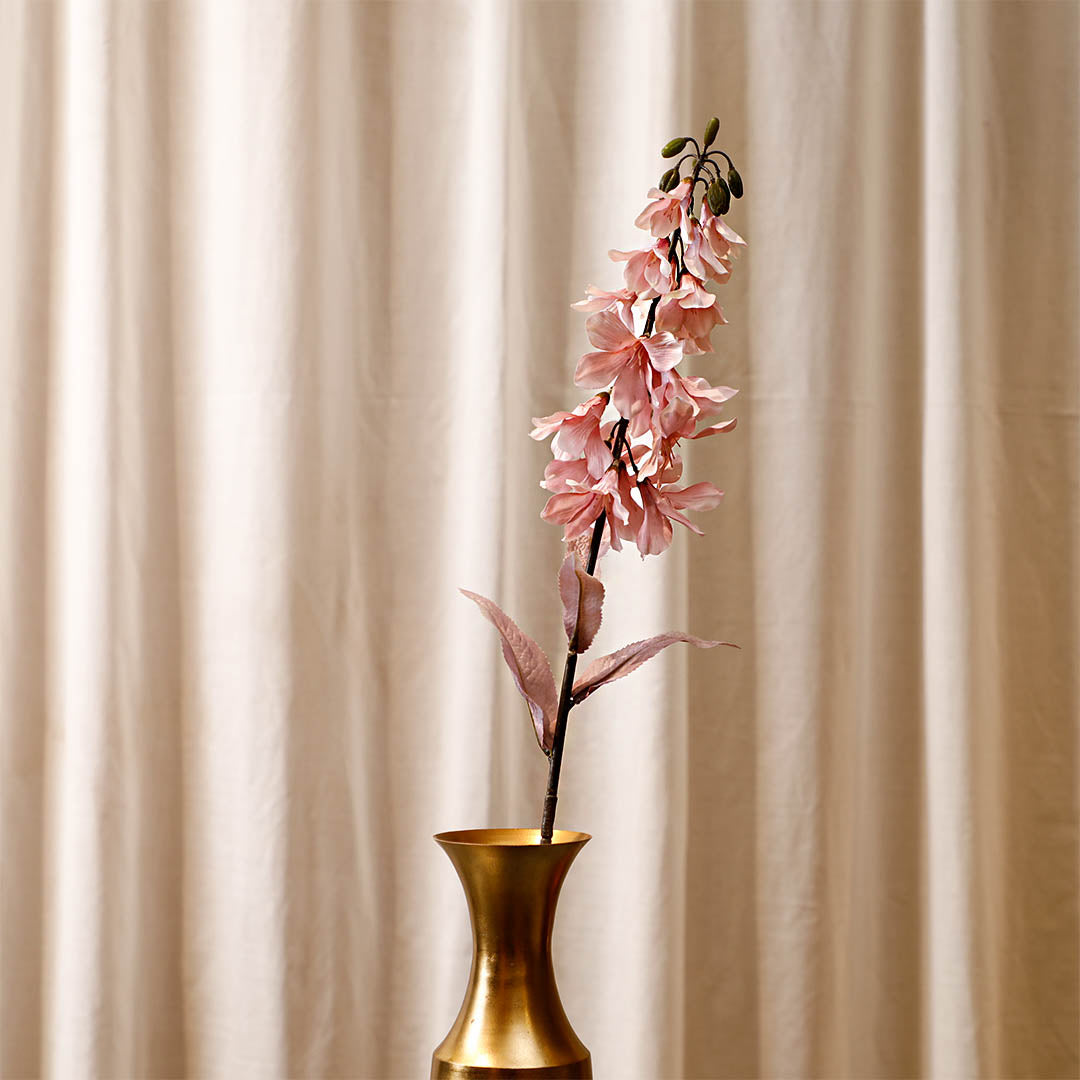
{"x": 690, "y": 312}
{"x": 577, "y": 433}
{"x": 648, "y": 272}
{"x": 712, "y": 246}
{"x": 668, "y": 211}
{"x": 563, "y": 476}
{"x": 663, "y": 505}
{"x": 704, "y": 401}
{"x": 680, "y": 403}
{"x": 631, "y": 361}
{"x": 579, "y": 498}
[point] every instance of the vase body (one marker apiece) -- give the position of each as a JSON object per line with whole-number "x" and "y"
{"x": 511, "y": 1023}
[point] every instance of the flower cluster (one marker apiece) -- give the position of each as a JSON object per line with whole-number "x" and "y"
{"x": 616, "y": 455}
{"x": 616, "y": 471}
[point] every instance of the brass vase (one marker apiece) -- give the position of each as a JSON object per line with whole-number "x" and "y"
{"x": 511, "y": 1023}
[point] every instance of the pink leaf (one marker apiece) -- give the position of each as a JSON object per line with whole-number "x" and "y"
{"x": 529, "y": 667}
{"x": 583, "y": 601}
{"x": 629, "y": 658}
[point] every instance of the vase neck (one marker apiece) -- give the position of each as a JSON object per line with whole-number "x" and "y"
{"x": 512, "y": 890}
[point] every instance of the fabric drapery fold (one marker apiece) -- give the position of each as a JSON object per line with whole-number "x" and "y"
{"x": 284, "y": 285}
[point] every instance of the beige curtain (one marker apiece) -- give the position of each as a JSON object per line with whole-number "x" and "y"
{"x": 282, "y": 285}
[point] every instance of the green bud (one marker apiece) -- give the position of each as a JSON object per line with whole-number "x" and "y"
{"x": 674, "y": 147}
{"x": 734, "y": 181}
{"x": 669, "y": 179}
{"x": 718, "y": 196}
{"x": 711, "y": 128}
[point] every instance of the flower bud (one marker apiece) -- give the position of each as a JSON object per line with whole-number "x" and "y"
{"x": 674, "y": 147}
{"x": 669, "y": 179}
{"x": 734, "y": 181}
{"x": 718, "y": 196}
{"x": 711, "y": 129}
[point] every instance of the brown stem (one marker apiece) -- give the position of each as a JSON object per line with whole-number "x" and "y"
{"x": 566, "y": 693}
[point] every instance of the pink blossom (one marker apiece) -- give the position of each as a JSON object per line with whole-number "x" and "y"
{"x": 712, "y": 246}
{"x": 563, "y": 476}
{"x": 579, "y": 498}
{"x": 690, "y": 313}
{"x": 668, "y": 211}
{"x": 663, "y": 505}
{"x": 704, "y": 401}
{"x": 577, "y": 433}
{"x": 623, "y": 513}
{"x": 631, "y": 361}
{"x": 573, "y": 503}
{"x": 648, "y": 272}
{"x": 680, "y": 403}
{"x": 576, "y": 510}
{"x": 660, "y": 459}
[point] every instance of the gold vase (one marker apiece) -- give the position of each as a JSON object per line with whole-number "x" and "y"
{"x": 511, "y": 1023}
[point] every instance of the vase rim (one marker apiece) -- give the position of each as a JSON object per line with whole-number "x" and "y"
{"x": 508, "y": 837}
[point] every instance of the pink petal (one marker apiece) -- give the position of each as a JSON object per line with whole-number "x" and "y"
{"x": 705, "y": 396}
{"x": 729, "y": 234}
{"x": 576, "y": 510}
{"x": 562, "y": 507}
{"x": 664, "y": 351}
{"x": 608, "y": 332}
{"x": 675, "y": 416}
{"x": 716, "y": 429}
{"x": 597, "y": 369}
{"x": 643, "y": 219}
{"x": 545, "y": 425}
{"x": 623, "y": 514}
{"x": 703, "y": 496}
{"x": 630, "y": 393}
{"x": 658, "y": 274}
{"x": 600, "y": 300}
{"x": 561, "y": 476}
{"x": 609, "y": 488}
{"x": 677, "y": 515}
{"x": 697, "y": 296}
{"x": 584, "y": 519}
{"x": 597, "y": 454}
{"x": 573, "y": 436}
{"x": 654, "y": 534}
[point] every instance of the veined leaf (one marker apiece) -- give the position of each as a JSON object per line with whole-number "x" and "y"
{"x": 529, "y": 667}
{"x": 629, "y": 658}
{"x": 583, "y": 602}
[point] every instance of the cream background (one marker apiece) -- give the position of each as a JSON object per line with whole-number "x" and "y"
{"x": 282, "y": 286}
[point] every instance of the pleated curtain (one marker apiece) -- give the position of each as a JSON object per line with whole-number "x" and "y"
{"x": 282, "y": 286}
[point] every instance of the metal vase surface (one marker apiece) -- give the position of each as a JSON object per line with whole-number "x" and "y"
{"x": 511, "y": 1023}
